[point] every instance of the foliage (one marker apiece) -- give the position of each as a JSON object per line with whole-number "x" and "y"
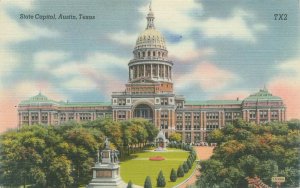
{"x": 248, "y": 150}
{"x": 180, "y": 171}
{"x": 62, "y": 156}
{"x": 148, "y": 183}
{"x": 175, "y": 137}
{"x": 185, "y": 167}
{"x": 160, "y": 181}
{"x": 173, "y": 175}
{"x": 129, "y": 185}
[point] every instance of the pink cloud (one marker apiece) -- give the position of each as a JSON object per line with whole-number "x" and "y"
{"x": 8, "y": 112}
{"x": 233, "y": 95}
{"x": 289, "y": 91}
{"x": 208, "y": 76}
{"x": 10, "y": 98}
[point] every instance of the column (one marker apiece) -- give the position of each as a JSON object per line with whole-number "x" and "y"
{"x": 29, "y": 118}
{"x": 144, "y": 70}
{"x": 164, "y": 76}
{"x": 157, "y": 71}
{"x": 151, "y": 71}
{"x": 269, "y": 115}
{"x": 257, "y": 116}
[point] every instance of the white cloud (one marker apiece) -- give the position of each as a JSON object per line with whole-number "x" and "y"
{"x": 208, "y": 77}
{"x": 186, "y": 50}
{"x": 45, "y": 60}
{"x": 235, "y": 27}
{"x": 13, "y": 32}
{"x": 123, "y": 38}
{"x": 79, "y": 83}
{"x": 24, "y": 4}
{"x": 180, "y": 21}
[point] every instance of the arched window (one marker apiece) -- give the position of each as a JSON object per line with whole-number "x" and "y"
{"x": 144, "y": 54}
{"x": 158, "y": 54}
{"x": 153, "y": 53}
{"x": 149, "y": 53}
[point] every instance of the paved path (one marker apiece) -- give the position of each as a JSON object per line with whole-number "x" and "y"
{"x": 203, "y": 153}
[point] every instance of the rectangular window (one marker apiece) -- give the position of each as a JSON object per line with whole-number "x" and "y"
{"x": 85, "y": 116}
{"x": 121, "y": 115}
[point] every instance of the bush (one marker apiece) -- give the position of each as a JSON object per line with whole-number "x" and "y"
{"x": 173, "y": 175}
{"x": 161, "y": 182}
{"x": 185, "y": 167}
{"x": 189, "y": 163}
{"x": 180, "y": 172}
{"x": 129, "y": 185}
{"x": 148, "y": 183}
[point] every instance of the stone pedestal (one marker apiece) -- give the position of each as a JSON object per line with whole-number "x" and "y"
{"x": 105, "y": 175}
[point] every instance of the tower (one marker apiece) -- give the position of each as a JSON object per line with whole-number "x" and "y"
{"x": 149, "y": 90}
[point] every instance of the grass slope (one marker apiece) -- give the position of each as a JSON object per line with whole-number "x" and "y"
{"x": 137, "y": 168}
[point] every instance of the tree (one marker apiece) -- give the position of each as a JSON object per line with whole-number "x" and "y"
{"x": 60, "y": 171}
{"x": 249, "y": 164}
{"x": 189, "y": 163}
{"x": 175, "y": 137}
{"x": 185, "y": 167}
{"x": 148, "y": 183}
{"x": 180, "y": 172}
{"x": 129, "y": 185}
{"x": 173, "y": 175}
{"x": 160, "y": 181}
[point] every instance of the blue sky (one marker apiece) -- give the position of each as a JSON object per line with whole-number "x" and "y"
{"x": 220, "y": 49}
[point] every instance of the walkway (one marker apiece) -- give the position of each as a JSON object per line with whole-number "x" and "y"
{"x": 203, "y": 153}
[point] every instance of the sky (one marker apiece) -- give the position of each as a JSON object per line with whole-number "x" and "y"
{"x": 220, "y": 49}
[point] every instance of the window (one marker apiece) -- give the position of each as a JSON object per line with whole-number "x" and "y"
{"x": 164, "y": 114}
{"x": 196, "y": 126}
{"x": 197, "y": 137}
{"x": 211, "y": 125}
{"x": 121, "y": 102}
{"x": 63, "y": 117}
{"x": 71, "y": 116}
{"x": 263, "y": 114}
{"x": 188, "y": 125}
{"x": 85, "y": 116}
{"x": 187, "y": 137}
{"x": 121, "y": 115}
{"x": 252, "y": 114}
{"x": 164, "y": 101}
{"x": 179, "y": 115}
{"x": 228, "y": 115}
{"x": 187, "y": 116}
{"x": 212, "y": 115}
{"x": 178, "y": 125}
{"x": 236, "y": 115}
{"x": 196, "y": 115}
{"x": 274, "y": 114}
{"x": 164, "y": 124}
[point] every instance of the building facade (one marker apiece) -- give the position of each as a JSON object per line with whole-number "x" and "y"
{"x": 149, "y": 94}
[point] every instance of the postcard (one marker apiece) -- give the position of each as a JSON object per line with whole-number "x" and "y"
{"x": 151, "y": 93}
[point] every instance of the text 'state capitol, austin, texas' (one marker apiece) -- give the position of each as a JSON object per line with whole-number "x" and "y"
{"x": 149, "y": 94}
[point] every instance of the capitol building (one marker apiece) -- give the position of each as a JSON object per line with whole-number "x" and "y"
{"x": 149, "y": 94}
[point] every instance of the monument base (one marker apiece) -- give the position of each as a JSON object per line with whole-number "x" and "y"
{"x": 103, "y": 182}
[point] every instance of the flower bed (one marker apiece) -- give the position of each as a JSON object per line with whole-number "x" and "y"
{"x": 156, "y": 158}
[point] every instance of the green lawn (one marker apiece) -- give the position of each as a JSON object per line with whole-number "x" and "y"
{"x": 137, "y": 168}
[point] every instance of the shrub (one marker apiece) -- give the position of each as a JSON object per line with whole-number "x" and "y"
{"x": 161, "y": 182}
{"x": 185, "y": 167}
{"x": 148, "y": 183}
{"x": 173, "y": 175}
{"x": 129, "y": 185}
{"x": 180, "y": 172}
{"x": 189, "y": 163}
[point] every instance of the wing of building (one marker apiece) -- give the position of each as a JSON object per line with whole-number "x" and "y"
{"x": 149, "y": 94}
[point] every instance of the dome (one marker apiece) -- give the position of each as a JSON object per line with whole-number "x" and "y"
{"x": 150, "y": 38}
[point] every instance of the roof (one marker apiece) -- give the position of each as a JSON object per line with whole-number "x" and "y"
{"x": 214, "y": 102}
{"x": 41, "y": 99}
{"x": 263, "y": 94}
